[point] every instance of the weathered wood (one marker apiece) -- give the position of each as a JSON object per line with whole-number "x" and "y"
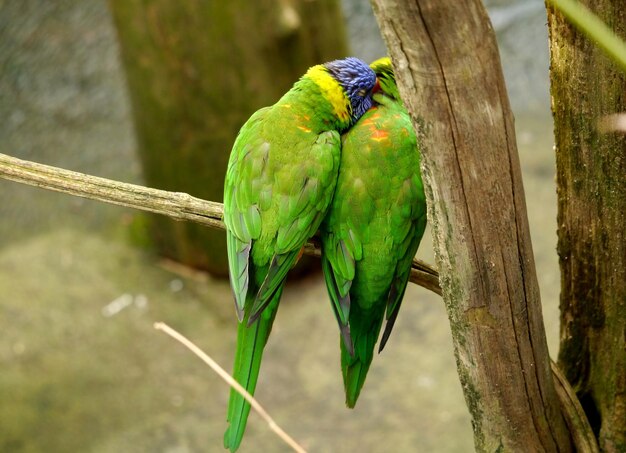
{"x": 591, "y": 188}
{"x": 196, "y": 71}
{"x": 448, "y": 69}
{"x": 176, "y": 205}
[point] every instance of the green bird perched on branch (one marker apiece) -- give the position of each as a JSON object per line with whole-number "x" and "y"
{"x": 280, "y": 181}
{"x": 373, "y": 228}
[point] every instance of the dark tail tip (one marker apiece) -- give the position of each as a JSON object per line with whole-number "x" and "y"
{"x": 388, "y": 328}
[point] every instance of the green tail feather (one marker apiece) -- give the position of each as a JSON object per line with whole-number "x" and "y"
{"x": 250, "y": 344}
{"x": 354, "y": 370}
{"x": 364, "y": 327}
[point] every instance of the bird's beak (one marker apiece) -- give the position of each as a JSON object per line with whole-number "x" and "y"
{"x": 376, "y": 88}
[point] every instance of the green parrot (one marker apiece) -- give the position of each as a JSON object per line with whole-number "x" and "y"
{"x": 373, "y": 227}
{"x": 280, "y": 181}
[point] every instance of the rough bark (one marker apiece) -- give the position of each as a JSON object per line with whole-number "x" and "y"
{"x": 591, "y": 186}
{"x": 196, "y": 71}
{"x": 449, "y": 73}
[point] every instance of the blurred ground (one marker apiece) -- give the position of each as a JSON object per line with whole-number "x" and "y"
{"x": 82, "y": 367}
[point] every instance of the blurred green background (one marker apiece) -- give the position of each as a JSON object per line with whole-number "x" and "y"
{"x": 82, "y": 368}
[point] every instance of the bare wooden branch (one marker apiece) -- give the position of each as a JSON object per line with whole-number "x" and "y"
{"x": 177, "y": 205}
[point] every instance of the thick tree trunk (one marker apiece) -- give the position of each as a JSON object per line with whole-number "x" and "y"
{"x": 196, "y": 71}
{"x": 591, "y": 180}
{"x": 449, "y": 73}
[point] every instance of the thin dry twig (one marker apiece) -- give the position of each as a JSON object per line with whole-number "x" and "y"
{"x": 177, "y": 205}
{"x": 232, "y": 382}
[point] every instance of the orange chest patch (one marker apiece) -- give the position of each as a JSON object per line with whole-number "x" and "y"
{"x": 379, "y": 134}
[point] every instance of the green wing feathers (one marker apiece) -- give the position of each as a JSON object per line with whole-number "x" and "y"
{"x": 339, "y": 292}
{"x": 238, "y": 258}
{"x": 402, "y": 273}
{"x": 273, "y": 282}
{"x": 275, "y": 196}
{"x": 247, "y": 170}
{"x": 408, "y": 225}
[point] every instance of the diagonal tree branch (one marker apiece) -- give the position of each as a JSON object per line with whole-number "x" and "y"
{"x": 177, "y": 205}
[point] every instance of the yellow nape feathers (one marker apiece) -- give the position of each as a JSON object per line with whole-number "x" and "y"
{"x": 332, "y": 91}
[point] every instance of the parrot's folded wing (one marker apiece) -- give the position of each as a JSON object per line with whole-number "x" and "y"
{"x": 276, "y": 274}
{"x": 408, "y": 230}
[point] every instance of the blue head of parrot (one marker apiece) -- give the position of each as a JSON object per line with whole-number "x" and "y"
{"x": 358, "y": 81}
